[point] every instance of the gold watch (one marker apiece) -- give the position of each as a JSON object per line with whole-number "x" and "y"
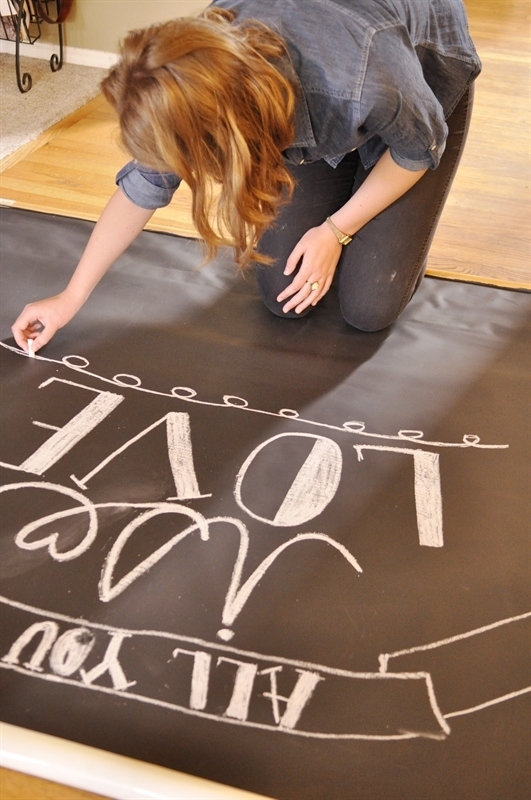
{"x": 342, "y": 238}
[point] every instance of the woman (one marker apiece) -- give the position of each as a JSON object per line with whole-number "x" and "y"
{"x": 334, "y": 128}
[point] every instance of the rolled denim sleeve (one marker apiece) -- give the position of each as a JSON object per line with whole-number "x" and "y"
{"x": 425, "y": 153}
{"x": 400, "y": 107}
{"x": 146, "y": 187}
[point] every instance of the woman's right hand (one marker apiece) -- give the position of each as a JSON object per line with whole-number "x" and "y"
{"x": 41, "y": 320}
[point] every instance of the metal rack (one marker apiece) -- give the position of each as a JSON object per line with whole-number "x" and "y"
{"x": 21, "y": 21}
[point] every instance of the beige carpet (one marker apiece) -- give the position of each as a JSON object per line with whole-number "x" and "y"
{"x": 54, "y": 95}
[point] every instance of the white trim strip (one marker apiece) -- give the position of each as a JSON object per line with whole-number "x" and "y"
{"x": 72, "y": 55}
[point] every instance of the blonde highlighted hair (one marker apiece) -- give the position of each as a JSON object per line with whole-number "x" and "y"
{"x": 201, "y": 97}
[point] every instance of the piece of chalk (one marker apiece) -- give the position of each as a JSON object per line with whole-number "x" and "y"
{"x": 30, "y": 348}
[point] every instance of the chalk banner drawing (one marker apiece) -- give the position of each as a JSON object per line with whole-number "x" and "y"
{"x": 215, "y": 680}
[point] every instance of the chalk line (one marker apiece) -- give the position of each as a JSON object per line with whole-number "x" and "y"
{"x": 189, "y": 395}
{"x": 384, "y": 657}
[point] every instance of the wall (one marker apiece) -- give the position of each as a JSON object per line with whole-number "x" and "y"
{"x": 100, "y": 24}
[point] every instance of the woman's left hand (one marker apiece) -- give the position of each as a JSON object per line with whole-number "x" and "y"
{"x": 319, "y": 250}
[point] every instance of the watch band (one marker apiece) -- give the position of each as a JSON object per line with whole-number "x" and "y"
{"x": 342, "y": 238}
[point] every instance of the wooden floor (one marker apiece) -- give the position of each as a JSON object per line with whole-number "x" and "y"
{"x": 484, "y": 234}
{"x": 16, "y": 786}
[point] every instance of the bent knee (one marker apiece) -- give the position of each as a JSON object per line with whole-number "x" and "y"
{"x": 277, "y": 311}
{"x": 369, "y": 319}
{"x": 276, "y": 308}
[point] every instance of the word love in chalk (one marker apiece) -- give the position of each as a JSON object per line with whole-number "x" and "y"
{"x": 313, "y": 488}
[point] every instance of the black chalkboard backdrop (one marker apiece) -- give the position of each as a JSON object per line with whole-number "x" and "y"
{"x": 284, "y": 555}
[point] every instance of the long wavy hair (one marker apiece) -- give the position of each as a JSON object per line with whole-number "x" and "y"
{"x": 202, "y": 97}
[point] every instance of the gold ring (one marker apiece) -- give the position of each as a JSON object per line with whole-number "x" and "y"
{"x": 314, "y": 286}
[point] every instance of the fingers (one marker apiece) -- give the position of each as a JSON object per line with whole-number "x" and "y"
{"x": 293, "y": 259}
{"x": 312, "y": 262}
{"x": 318, "y": 295}
{"x": 23, "y": 329}
{"x": 297, "y": 285}
{"x": 305, "y": 290}
{"x": 304, "y": 293}
{"x": 30, "y": 326}
{"x": 301, "y": 283}
{"x": 39, "y": 321}
{"x": 307, "y": 296}
{"x": 41, "y": 338}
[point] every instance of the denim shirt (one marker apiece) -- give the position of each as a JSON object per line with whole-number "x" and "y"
{"x": 371, "y": 74}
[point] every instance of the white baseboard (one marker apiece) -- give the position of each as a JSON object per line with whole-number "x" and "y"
{"x": 71, "y": 55}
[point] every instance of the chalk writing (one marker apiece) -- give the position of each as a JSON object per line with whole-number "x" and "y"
{"x": 59, "y": 648}
{"x": 312, "y": 490}
{"x": 62, "y": 649}
{"x": 428, "y": 499}
{"x": 198, "y": 677}
{"x": 238, "y": 593}
{"x": 66, "y": 437}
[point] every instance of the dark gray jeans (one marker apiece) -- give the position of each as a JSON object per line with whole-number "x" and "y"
{"x": 380, "y": 269}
